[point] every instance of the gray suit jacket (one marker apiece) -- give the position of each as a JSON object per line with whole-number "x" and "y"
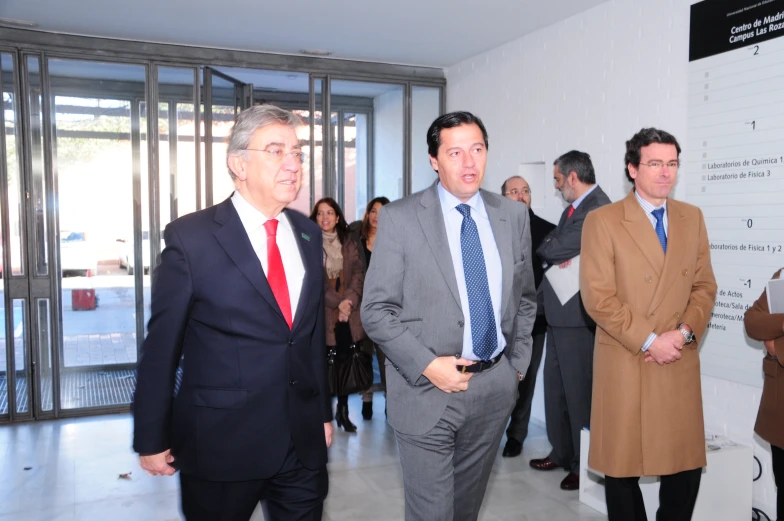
{"x": 563, "y": 244}
{"x": 411, "y": 305}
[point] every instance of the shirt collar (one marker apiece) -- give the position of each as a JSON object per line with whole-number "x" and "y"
{"x": 648, "y": 207}
{"x": 580, "y": 199}
{"x": 449, "y": 202}
{"x": 251, "y": 218}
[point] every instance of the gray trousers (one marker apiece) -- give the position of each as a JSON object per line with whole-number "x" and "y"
{"x": 568, "y": 380}
{"x": 446, "y": 470}
{"x": 521, "y": 414}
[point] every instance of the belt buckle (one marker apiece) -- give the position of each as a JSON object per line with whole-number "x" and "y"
{"x": 463, "y": 370}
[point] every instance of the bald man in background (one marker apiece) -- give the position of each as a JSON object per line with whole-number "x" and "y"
{"x": 518, "y": 189}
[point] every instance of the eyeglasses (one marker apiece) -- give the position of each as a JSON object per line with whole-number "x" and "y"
{"x": 278, "y": 155}
{"x": 515, "y": 191}
{"x": 658, "y": 165}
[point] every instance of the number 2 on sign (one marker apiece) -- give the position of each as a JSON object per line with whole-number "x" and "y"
{"x": 756, "y": 50}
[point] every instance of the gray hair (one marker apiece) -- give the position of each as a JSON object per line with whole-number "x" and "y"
{"x": 250, "y": 120}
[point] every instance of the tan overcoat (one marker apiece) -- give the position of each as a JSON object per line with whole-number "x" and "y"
{"x": 646, "y": 419}
{"x": 761, "y": 324}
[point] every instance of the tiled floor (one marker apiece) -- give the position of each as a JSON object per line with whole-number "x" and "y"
{"x": 74, "y": 467}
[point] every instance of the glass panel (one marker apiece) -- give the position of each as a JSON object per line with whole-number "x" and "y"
{"x": 11, "y": 133}
{"x": 333, "y": 121}
{"x": 355, "y": 165}
{"x": 20, "y": 365}
{"x": 176, "y": 148}
{"x": 425, "y": 108}
{"x": 144, "y": 181}
{"x": 95, "y": 160}
{"x": 318, "y": 140}
{"x": 45, "y": 367}
{"x": 176, "y": 144}
{"x": 20, "y": 357}
{"x": 37, "y": 166}
{"x": 385, "y": 103}
{"x": 223, "y": 112}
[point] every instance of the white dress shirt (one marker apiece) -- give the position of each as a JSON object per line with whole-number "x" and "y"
{"x": 453, "y": 220}
{"x": 253, "y": 222}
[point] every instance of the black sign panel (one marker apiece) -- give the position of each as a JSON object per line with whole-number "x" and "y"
{"x": 719, "y": 26}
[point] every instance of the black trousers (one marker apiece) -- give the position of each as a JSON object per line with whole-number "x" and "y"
{"x": 677, "y": 496}
{"x": 293, "y": 494}
{"x": 778, "y": 475}
{"x": 521, "y": 414}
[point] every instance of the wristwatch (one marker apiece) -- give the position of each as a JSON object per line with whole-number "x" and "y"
{"x": 688, "y": 335}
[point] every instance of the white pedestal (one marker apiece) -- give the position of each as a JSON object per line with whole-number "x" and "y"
{"x": 725, "y": 489}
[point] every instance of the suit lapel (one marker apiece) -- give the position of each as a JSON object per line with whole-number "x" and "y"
{"x": 235, "y": 242}
{"x": 677, "y": 243}
{"x": 642, "y": 233}
{"x": 431, "y": 219}
{"x": 311, "y": 260}
{"x": 502, "y": 232}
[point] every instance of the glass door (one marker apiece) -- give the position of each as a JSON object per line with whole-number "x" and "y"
{"x": 15, "y": 363}
{"x": 99, "y": 139}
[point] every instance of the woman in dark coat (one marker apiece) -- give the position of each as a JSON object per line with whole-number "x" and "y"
{"x": 343, "y": 282}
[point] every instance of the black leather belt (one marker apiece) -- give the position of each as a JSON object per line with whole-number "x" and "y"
{"x": 479, "y": 366}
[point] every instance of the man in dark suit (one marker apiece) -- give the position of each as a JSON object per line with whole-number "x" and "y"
{"x": 568, "y": 365}
{"x": 238, "y": 301}
{"x": 517, "y": 189}
{"x": 449, "y": 297}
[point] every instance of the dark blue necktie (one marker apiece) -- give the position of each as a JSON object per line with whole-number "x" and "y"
{"x": 480, "y": 306}
{"x": 659, "y": 214}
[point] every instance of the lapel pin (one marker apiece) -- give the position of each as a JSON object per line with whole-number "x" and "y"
{"x": 306, "y": 236}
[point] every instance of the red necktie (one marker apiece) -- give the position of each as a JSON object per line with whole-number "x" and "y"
{"x": 571, "y": 211}
{"x": 276, "y": 275}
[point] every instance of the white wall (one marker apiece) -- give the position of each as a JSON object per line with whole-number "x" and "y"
{"x": 589, "y": 83}
{"x": 388, "y": 144}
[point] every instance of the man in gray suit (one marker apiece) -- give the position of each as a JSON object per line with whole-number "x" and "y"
{"x": 568, "y": 361}
{"x": 450, "y": 299}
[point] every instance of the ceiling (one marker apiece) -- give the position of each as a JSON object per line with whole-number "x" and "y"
{"x": 435, "y": 33}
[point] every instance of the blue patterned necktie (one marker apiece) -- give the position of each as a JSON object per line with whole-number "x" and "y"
{"x": 659, "y": 214}
{"x": 480, "y": 306}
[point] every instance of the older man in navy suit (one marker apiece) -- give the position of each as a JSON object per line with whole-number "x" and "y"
{"x": 237, "y": 301}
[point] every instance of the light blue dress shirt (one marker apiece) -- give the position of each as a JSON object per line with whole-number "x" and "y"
{"x": 580, "y": 199}
{"x": 453, "y": 221}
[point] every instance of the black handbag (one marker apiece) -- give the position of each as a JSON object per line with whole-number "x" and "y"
{"x": 350, "y": 370}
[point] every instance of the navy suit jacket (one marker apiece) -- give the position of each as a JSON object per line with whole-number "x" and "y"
{"x": 250, "y": 386}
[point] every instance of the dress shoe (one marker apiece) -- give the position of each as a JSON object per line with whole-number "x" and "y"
{"x": 341, "y": 417}
{"x": 571, "y": 482}
{"x": 543, "y": 464}
{"x": 367, "y": 410}
{"x": 512, "y": 448}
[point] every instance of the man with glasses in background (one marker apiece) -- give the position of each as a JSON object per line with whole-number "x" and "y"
{"x": 647, "y": 281}
{"x": 238, "y": 302}
{"x": 517, "y": 189}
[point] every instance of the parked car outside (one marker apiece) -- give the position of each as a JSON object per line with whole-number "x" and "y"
{"x": 77, "y": 254}
{"x": 126, "y": 253}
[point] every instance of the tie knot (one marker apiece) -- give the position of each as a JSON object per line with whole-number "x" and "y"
{"x": 272, "y": 227}
{"x": 464, "y": 209}
{"x": 659, "y": 214}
